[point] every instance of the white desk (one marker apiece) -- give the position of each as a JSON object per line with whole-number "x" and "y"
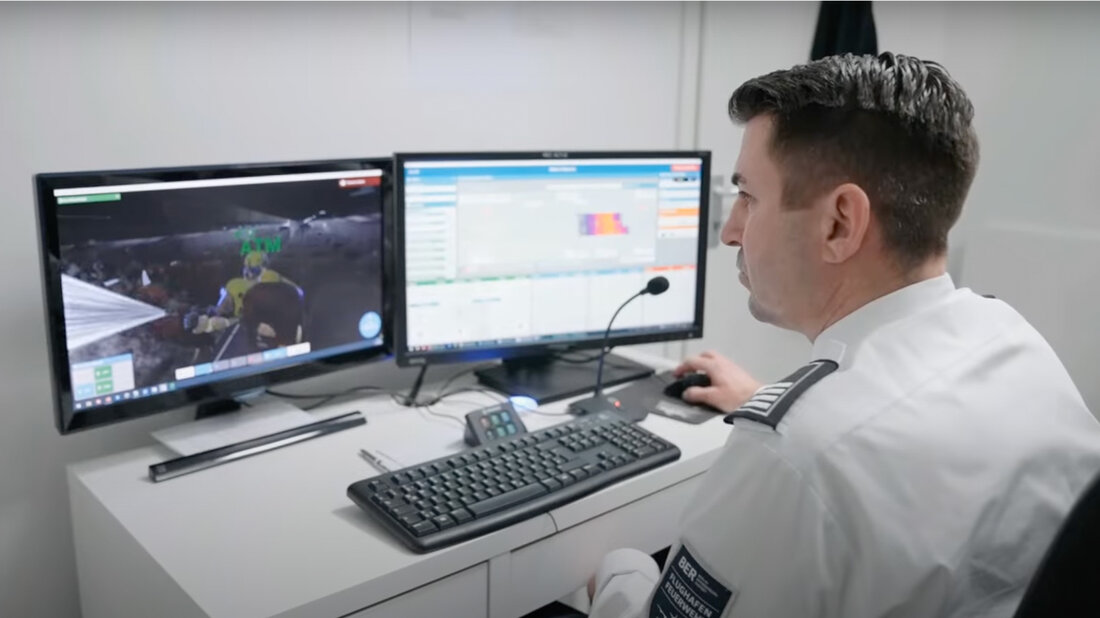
{"x": 275, "y": 534}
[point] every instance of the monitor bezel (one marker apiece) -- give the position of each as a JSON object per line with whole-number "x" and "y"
{"x": 405, "y": 357}
{"x": 69, "y": 420}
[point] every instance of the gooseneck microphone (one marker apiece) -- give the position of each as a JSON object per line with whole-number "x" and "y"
{"x": 597, "y": 402}
{"x": 655, "y": 286}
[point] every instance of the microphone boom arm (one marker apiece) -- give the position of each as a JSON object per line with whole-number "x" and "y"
{"x": 604, "y": 347}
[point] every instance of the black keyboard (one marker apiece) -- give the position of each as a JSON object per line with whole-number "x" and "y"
{"x": 456, "y": 498}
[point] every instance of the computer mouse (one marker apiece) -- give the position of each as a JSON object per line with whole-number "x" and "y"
{"x": 676, "y": 388}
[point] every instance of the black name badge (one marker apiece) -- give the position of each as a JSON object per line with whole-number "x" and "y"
{"x": 687, "y": 590}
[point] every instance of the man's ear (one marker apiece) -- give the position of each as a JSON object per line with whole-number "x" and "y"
{"x": 846, "y": 221}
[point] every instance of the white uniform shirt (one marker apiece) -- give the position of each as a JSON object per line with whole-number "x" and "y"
{"x": 925, "y": 477}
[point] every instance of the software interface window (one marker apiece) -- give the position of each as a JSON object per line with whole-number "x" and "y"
{"x": 170, "y": 284}
{"x": 515, "y": 252}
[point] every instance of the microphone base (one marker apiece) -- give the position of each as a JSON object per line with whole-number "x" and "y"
{"x": 606, "y": 403}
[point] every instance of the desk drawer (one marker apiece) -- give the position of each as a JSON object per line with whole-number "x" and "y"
{"x": 556, "y": 566}
{"x": 462, "y": 595}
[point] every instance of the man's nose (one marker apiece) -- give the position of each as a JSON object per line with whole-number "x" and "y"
{"x": 732, "y": 230}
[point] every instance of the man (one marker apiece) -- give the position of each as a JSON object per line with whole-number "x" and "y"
{"x": 923, "y": 463}
{"x": 255, "y": 270}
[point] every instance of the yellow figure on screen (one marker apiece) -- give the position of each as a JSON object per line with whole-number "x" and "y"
{"x": 255, "y": 271}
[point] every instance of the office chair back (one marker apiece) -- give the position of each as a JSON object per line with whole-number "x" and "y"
{"x": 1067, "y": 583}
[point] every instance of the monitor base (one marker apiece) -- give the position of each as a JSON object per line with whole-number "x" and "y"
{"x": 218, "y": 425}
{"x": 545, "y": 379}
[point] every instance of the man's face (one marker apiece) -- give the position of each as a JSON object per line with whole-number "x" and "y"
{"x": 776, "y": 262}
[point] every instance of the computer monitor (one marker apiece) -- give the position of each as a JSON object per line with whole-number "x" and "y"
{"x": 521, "y": 256}
{"x": 166, "y": 287}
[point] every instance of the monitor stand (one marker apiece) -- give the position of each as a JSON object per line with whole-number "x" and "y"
{"x": 547, "y": 379}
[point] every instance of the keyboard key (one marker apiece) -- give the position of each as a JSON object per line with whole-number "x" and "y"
{"x": 461, "y": 516}
{"x": 443, "y": 521}
{"x": 393, "y": 503}
{"x": 421, "y": 528}
{"x": 551, "y": 484}
{"x": 570, "y": 465}
{"x": 503, "y": 501}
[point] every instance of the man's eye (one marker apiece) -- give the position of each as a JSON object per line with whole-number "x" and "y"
{"x": 745, "y": 197}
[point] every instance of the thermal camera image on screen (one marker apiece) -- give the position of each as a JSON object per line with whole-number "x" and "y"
{"x": 161, "y": 286}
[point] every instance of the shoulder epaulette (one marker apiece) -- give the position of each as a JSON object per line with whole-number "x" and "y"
{"x": 769, "y": 404}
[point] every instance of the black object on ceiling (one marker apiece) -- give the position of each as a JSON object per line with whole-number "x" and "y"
{"x": 844, "y": 28}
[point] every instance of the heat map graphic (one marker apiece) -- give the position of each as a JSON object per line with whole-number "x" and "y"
{"x": 602, "y": 224}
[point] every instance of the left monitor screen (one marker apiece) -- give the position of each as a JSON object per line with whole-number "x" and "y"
{"x": 169, "y": 285}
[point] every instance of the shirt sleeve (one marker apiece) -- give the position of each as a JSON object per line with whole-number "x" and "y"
{"x": 760, "y": 529}
{"x": 624, "y": 582}
{"x": 756, "y": 531}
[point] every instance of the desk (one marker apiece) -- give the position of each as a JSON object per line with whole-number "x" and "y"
{"x": 275, "y": 534}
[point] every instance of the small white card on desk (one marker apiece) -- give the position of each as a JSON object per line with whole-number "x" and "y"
{"x": 217, "y": 431}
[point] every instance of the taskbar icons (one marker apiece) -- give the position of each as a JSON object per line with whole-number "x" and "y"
{"x": 547, "y": 339}
{"x": 204, "y": 369}
{"x": 122, "y": 396}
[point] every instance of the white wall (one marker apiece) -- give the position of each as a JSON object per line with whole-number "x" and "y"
{"x": 1030, "y": 231}
{"x": 1032, "y": 236}
{"x": 86, "y": 86}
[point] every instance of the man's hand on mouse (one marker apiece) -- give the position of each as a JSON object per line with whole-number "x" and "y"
{"x": 730, "y": 385}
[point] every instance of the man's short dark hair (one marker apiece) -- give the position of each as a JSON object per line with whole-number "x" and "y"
{"x": 897, "y": 126}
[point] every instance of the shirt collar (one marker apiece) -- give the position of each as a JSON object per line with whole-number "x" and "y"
{"x": 841, "y": 339}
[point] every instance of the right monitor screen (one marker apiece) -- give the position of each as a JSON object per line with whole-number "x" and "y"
{"x": 514, "y": 252}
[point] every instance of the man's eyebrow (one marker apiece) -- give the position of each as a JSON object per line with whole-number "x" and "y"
{"x": 737, "y": 179}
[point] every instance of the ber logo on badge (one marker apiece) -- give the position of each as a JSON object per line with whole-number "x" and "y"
{"x": 689, "y": 571}
{"x": 687, "y": 590}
